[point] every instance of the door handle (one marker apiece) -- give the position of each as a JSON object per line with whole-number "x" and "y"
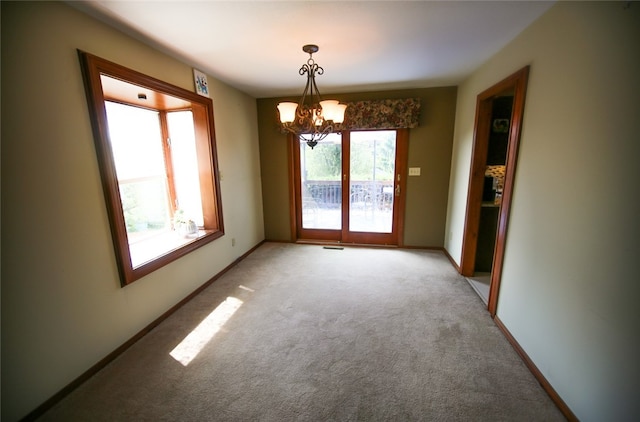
{"x": 397, "y": 190}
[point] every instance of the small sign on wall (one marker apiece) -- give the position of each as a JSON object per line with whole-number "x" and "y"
{"x": 200, "y": 79}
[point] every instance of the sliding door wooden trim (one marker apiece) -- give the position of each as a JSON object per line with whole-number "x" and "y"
{"x": 402, "y": 159}
{"x": 291, "y": 139}
{"x": 346, "y": 193}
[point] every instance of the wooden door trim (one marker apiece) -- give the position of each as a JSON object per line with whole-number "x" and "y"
{"x": 518, "y": 83}
{"x": 345, "y": 180}
{"x": 292, "y": 188}
{"x": 476, "y": 180}
{"x": 402, "y": 160}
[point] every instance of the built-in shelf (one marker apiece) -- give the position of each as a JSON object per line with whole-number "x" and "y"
{"x": 490, "y": 204}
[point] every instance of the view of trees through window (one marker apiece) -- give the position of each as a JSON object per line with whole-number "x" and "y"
{"x": 154, "y": 186}
{"x": 324, "y": 162}
{"x": 372, "y": 156}
{"x": 142, "y": 182}
{"x": 156, "y": 150}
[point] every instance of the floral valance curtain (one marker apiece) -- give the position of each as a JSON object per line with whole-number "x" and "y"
{"x": 382, "y": 114}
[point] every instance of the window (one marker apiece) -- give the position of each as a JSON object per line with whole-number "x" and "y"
{"x": 157, "y": 155}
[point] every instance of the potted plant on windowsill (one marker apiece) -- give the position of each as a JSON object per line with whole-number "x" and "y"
{"x": 184, "y": 225}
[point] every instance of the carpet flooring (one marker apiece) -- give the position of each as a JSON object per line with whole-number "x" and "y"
{"x": 303, "y": 333}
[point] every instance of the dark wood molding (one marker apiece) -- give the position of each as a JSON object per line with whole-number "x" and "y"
{"x": 426, "y": 248}
{"x": 345, "y": 180}
{"x": 476, "y": 179}
{"x": 402, "y": 168}
{"x": 515, "y": 84}
{"x": 53, "y": 400}
{"x": 453, "y": 262}
{"x": 519, "y": 83}
{"x": 553, "y": 394}
{"x": 293, "y": 223}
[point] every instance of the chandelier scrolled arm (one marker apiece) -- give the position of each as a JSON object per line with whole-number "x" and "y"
{"x": 311, "y": 119}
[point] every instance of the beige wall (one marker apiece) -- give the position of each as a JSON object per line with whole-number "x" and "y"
{"x": 570, "y": 287}
{"x": 429, "y": 148}
{"x": 62, "y": 305}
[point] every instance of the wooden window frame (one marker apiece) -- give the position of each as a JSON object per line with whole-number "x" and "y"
{"x": 164, "y": 97}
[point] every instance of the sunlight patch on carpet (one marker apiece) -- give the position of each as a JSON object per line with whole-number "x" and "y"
{"x": 197, "y": 339}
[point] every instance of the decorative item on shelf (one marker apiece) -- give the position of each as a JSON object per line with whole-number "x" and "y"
{"x": 497, "y": 172}
{"x": 312, "y": 119}
{"x": 190, "y": 228}
{"x": 183, "y": 225}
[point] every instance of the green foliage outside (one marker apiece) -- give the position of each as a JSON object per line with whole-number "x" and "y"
{"x": 324, "y": 161}
{"x": 144, "y": 206}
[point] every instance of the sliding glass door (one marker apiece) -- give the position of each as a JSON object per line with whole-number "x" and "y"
{"x": 371, "y": 174}
{"x": 320, "y": 175}
{"x": 348, "y": 188}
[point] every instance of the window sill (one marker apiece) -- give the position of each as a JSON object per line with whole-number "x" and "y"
{"x": 152, "y": 247}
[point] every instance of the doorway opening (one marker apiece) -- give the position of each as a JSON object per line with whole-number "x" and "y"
{"x": 499, "y": 115}
{"x": 492, "y": 189}
{"x": 348, "y": 188}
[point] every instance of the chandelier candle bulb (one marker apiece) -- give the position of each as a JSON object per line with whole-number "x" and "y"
{"x": 287, "y": 112}
{"x": 329, "y": 108}
{"x": 338, "y": 117}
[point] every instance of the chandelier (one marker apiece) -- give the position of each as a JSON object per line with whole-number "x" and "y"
{"x": 311, "y": 119}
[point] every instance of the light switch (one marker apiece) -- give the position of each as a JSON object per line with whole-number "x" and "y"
{"x": 414, "y": 171}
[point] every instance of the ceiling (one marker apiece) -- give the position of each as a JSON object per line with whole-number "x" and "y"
{"x": 256, "y": 46}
